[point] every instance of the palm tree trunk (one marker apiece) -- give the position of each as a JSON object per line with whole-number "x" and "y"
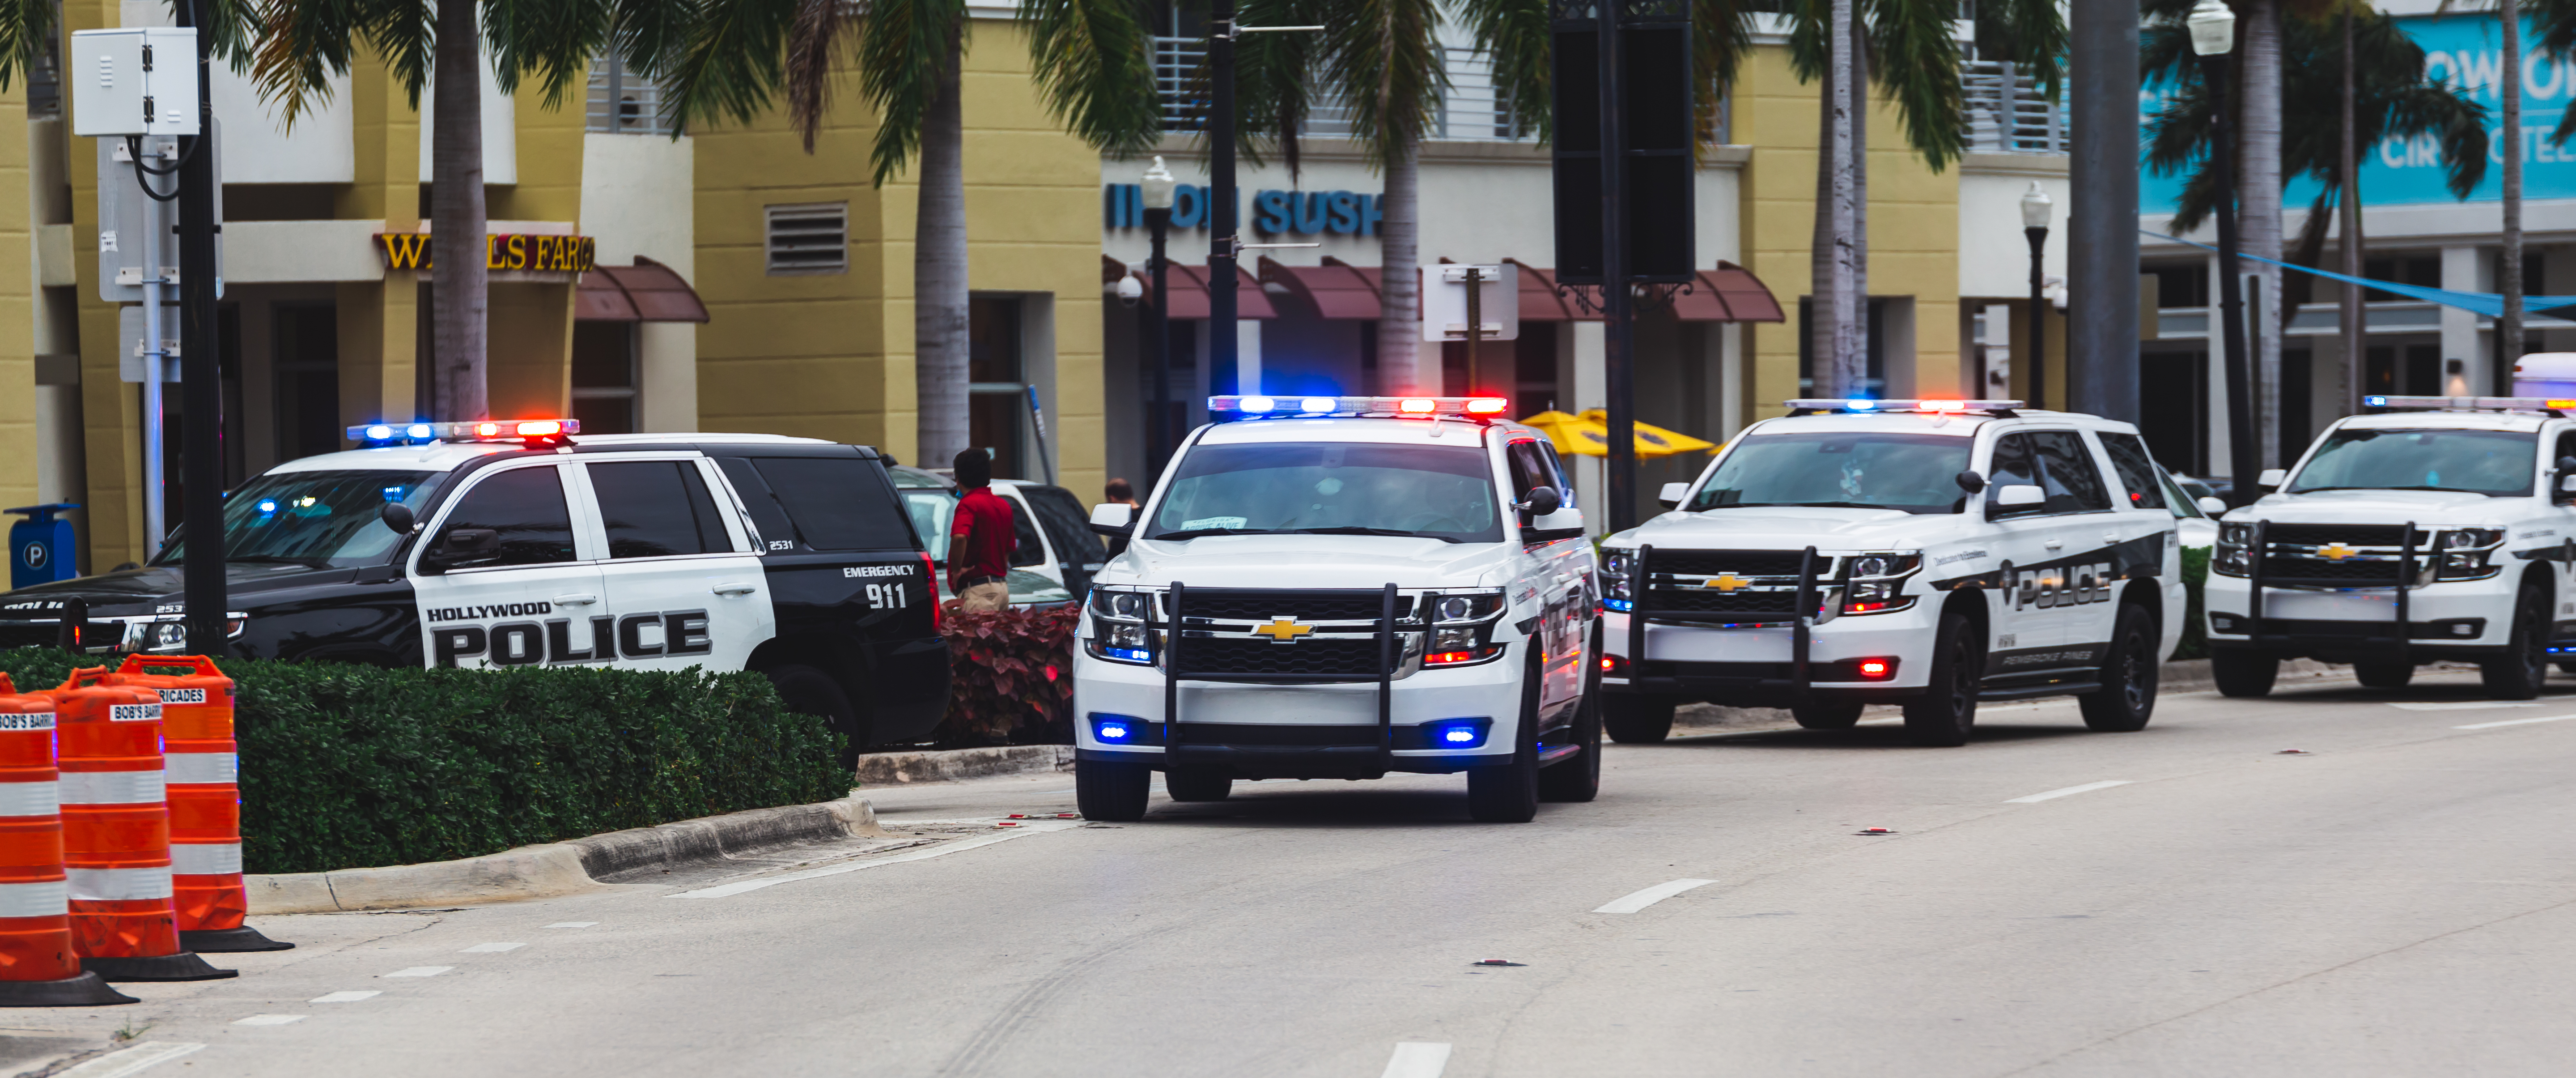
{"x": 1838, "y": 366}
{"x": 1399, "y": 324}
{"x": 2509, "y": 328}
{"x": 1856, "y": 337}
{"x": 2348, "y": 205}
{"x": 939, "y": 340}
{"x": 2259, "y": 193}
{"x": 458, "y": 273}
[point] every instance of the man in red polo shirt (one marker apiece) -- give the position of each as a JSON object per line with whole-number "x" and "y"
{"x": 980, "y": 538}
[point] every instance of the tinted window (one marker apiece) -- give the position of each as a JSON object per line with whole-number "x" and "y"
{"x": 1350, "y": 488}
{"x": 2496, "y": 463}
{"x": 2137, "y": 469}
{"x": 656, "y": 509}
{"x": 1028, "y": 549}
{"x": 1067, "y": 526}
{"x": 1529, "y": 470}
{"x": 930, "y": 509}
{"x": 1914, "y": 473}
{"x": 838, "y": 503}
{"x": 2068, "y": 474}
{"x": 333, "y": 518}
{"x": 766, "y": 513}
{"x": 2016, "y": 464}
{"x": 524, "y": 505}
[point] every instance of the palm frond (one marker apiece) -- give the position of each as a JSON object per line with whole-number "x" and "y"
{"x": 26, "y": 27}
{"x": 1514, "y": 35}
{"x": 1915, "y": 60}
{"x": 1274, "y": 82}
{"x": 554, "y": 41}
{"x": 822, "y": 33}
{"x": 1721, "y": 37}
{"x": 2028, "y": 34}
{"x": 1384, "y": 57}
{"x": 730, "y": 61}
{"x": 1094, "y": 65}
{"x": 903, "y": 48}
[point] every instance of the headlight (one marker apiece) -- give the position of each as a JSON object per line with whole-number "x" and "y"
{"x": 1873, "y": 592}
{"x": 1868, "y": 565}
{"x": 2233, "y": 561}
{"x": 2471, "y": 538}
{"x": 167, "y": 634}
{"x": 1476, "y": 606}
{"x": 1614, "y": 577}
{"x": 1124, "y": 605}
{"x": 2236, "y": 534}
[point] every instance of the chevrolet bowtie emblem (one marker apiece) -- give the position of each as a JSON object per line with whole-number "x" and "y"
{"x": 1727, "y": 582}
{"x": 2336, "y": 551}
{"x": 1282, "y": 630}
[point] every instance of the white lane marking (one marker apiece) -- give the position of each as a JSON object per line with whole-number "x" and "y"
{"x": 345, "y": 997}
{"x": 1878, "y": 722}
{"x": 2084, "y": 789}
{"x": 268, "y": 1019}
{"x": 731, "y": 889}
{"x": 572, "y": 924}
{"x": 1650, "y": 896}
{"x": 2463, "y": 705}
{"x": 2514, "y": 722}
{"x": 1417, "y": 1059}
{"x": 420, "y": 971}
{"x": 125, "y": 1061}
{"x": 492, "y": 948}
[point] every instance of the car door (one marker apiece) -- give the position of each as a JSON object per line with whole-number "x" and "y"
{"x": 2561, "y": 518}
{"x": 684, "y": 587}
{"x": 2028, "y": 626}
{"x": 533, "y": 597}
{"x": 1555, "y": 569}
{"x": 2090, "y": 533}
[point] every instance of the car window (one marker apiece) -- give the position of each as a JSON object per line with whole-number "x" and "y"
{"x": 1030, "y": 550}
{"x": 2015, "y": 464}
{"x": 2139, "y": 475}
{"x": 2496, "y": 463}
{"x": 2067, "y": 473}
{"x": 526, "y": 507}
{"x": 930, "y": 508}
{"x": 2179, "y": 500}
{"x": 1529, "y": 470}
{"x": 1067, "y": 526}
{"x": 318, "y": 518}
{"x": 657, "y": 509}
{"x": 1911, "y": 473}
{"x": 761, "y": 502}
{"x": 838, "y": 503}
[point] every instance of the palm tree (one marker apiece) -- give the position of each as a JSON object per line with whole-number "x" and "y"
{"x": 1093, "y": 66}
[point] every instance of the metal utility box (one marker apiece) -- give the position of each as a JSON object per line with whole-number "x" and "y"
{"x": 137, "y": 81}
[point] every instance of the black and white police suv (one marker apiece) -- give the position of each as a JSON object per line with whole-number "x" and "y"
{"x": 2426, "y": 529}
{"x": 1339, "y": 587}
{"x": 498, "y": 544}
{"x": 1923, "y": 552}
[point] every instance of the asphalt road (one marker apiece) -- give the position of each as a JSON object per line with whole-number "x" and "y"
{"x": 2397, "y": 898}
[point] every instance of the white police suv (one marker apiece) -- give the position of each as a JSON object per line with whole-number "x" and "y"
{"x": 1924, "y": 552}
{"x": 1338, "y": 587}
{"x": 499, "y": 544}
{"x": 2428, "y": 528}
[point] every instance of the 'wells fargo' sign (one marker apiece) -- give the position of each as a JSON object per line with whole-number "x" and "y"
{"x": 556, "y": 254}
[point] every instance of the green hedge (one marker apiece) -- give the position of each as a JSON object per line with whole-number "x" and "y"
{"x": 2195, "y": 630}
{"x": 351, "y": 766}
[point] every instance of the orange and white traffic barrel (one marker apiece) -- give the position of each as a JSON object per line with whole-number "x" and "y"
{"x": 116, "y": 833}
{"x": 205, "y": 801}
{"x": 38, "y": 967}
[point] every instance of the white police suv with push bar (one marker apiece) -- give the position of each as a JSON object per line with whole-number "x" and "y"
{"x": 512, "y": 543}
{"x": 1929, "y": 553}
{"x": 2424, "y": 529}
{"x": 1341, "y": 587}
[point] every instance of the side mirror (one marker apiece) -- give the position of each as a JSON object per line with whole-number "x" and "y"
{"x": 2020, "y": 496}
{"x": 398, "y": 517}
{"x": 1565, "y": 523}
{"x": 1113, "y": 518}
{"x": 1542, "y": 501}
{"x": 1970, "y": 481}
{"x": 2567, "y": 483}
{"x": 2213, "y": 506}
{"x": 1672, "y": 495}
{"x": 2271, "y": 479}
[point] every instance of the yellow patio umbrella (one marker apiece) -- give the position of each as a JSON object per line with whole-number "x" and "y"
{"x": 1652, "y": 441}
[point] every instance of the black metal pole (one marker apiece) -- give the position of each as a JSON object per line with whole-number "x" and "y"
{"x": 2038, "y": 318}
{"x": 2242, "y": 454}
{"x": 1159, "y": 322}
{"x": 1618, "y": 310}
{"x": 1220, "y": 212}
{"x": 2102, "y": 312}
{"x": 201, "y": 370}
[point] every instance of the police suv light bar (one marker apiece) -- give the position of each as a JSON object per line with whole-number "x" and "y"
{"x": 2473, "y": 404}
{"x": 1404, "y": 406}
{"x": 483, "y": 430}
{"x": 1864, "y": 404}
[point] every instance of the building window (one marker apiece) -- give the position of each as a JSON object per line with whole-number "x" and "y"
{"x": 809, "y": 238}
{"x": 997, "y": 401}
{"x": 623, "y": 102}
{"x": 605, "y": 394}
{"x": 306, "y": 370}
{"x": 2423, "y": 270}
{"x": 2185, "y": 285}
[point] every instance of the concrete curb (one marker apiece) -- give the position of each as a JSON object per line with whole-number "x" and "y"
{"x": 557, "y": 868}
{"x": 904, "y": 768}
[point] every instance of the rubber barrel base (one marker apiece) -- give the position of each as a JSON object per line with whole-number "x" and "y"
{"x": 86, "y": 990}
{"x": 228, "y": 941}
{"x": 183, "y": 966}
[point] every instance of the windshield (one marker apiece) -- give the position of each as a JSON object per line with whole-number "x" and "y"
{"x": 1332, "y": 488}
{"x": 2495, "y": 463}
{"x": 930, "y": 509}
{"x": 1915, "y": 473}
{"x": 322, "y": 519}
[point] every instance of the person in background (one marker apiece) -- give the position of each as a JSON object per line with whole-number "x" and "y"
{"x": 1119, "y": 493}
{"x": 980, "y": 538}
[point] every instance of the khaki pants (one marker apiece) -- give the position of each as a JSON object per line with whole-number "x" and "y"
{"x": 991, "y": 595}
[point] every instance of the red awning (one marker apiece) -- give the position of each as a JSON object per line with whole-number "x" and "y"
{"x": 1189, "y": 289}
{"x": 647, "y": 291}
{"x": 1335, "y": 289}
{"x": 1539, "y": 301}
{"x": 1729, "y": 293}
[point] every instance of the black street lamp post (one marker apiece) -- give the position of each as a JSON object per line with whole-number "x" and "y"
{"x": 2213, "y": 36}
{"x": 1158, "y": 188}
{"x": 2035, "y": 209}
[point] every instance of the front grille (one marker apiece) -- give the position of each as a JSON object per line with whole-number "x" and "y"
{"x": 1739, "y": 562}
{"x": 1782, "y": 605}
{"x": 1354, "y": 659}
{"x": 1263, "y": 606}
{"x": 2280, "y": 569}
{"x": 2387, "y": 535}
{"x": 1210, "y": 733}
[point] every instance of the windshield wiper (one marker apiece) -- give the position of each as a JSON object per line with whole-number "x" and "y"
{"x": 1198, "y": 532}
{"x": 1801, "y": 505}
{"x": 1354, "y": 529}
{"x": 2447, "y": 490}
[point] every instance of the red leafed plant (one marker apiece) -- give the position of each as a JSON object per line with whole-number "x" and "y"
{"x": 1012, "y": 672}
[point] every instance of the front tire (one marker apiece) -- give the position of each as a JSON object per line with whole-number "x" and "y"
{"x": 2384, "y": 674}
{"x": 1508, "y": 793}
{"x": 1827, "y": 714}
{"x": 1637, "y": 720}
{"x": 1578, "y": 778}
{"x": 2127, "y": 698}
{"x": 1197, "y": 784}
{"x": 2523, "y": 669}
{"x": 1947, "y": 710}
{"x": 2243, "y": 674}
{"x": 1111, "y": 792}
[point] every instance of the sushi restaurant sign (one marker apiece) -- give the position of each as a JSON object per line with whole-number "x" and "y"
{"x": 501, "y": 251}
